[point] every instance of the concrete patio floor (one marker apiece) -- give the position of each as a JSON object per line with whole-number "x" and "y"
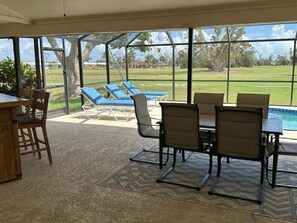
{"x": 85, "y": 152}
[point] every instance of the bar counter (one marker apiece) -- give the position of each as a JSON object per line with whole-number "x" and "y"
{"x": 10, "y": 162}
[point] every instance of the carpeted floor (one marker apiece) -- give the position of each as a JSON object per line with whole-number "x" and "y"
{"x": 237, "y": 178}
{"x": 92, "y": 180}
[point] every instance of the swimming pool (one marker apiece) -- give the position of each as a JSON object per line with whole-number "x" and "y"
{"x": 289, "y": 117}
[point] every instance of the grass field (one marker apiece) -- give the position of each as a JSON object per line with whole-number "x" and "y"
{"x": 275, "y": 80}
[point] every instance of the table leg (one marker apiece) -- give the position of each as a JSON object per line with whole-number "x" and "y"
{"x": 161, "y": 152}
{"x": 275, "y": 160}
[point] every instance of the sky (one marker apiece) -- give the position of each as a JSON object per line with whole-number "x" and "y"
{"x": 264, "y": 49}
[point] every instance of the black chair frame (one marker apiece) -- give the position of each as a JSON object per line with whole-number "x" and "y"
{"x": 261, "y": 159}
{"x": 205, "y": 149}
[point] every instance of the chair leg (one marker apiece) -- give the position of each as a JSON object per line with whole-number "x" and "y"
{"x": 23, "y": 136}
{"x": 150, "y": 162}
{"x": 46, "y": 141}
{"x": 214, "y": 184}
{"x": 279, "y": 171}
{"x": 160, "y": 179}
{"x": 27, "y": 140}
{"x": 31, "y": 141}
{"x": 209, "y": 172}
{"x": 36, "y": 140}
{"x": 210, "y": 163}
{"x": 160, "y": 152}
{"x": 261, "y": 186}
{"x": 201, "y": 184}
{"x": 184, "y": 157}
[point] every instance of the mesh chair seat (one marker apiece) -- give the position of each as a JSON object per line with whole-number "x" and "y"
{"x": 150, "y": 132}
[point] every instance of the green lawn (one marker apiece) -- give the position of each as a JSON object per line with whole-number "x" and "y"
{"x": 160, "y": 79}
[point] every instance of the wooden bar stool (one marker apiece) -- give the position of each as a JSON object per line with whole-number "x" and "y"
{"x": 37, "y": 119}
{"x": 26, "y": 137}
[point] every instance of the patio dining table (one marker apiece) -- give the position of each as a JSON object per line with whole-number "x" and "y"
{"x": 272, "y": 125}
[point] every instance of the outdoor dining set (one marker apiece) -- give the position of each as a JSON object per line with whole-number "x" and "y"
{"x": 245, "y": 131}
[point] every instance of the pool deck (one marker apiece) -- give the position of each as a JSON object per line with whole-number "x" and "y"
{"x": 110, "y": 121}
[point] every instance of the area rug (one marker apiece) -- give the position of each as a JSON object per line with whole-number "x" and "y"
{"x": 237, "y": 177}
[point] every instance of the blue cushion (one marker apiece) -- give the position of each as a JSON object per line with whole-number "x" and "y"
{"x": 117, "y": 92}
{"x": 134, "y": 90}
{"x": 92, "y": 94}
{"x": 155, "y": 93}
{"x": 119, "y": 102}
{"x": 150, "y": 97}
{"x": 131, "y": 87}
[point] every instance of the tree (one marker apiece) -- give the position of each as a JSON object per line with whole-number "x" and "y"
{"x": 151, "y": 59}
{"x": 164, "y": 59}
{"x": 7, "y": 75}
{"x": 72, "y": 63}
{"x": 282, "y": 60}
{"x": 264, "y": 61}
{"x": 182, "y": 58}
{"x": 131, "y": 56}
{"x": 215, "y": 55}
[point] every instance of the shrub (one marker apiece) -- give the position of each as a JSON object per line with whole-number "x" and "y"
{"x": 8, "y": 78}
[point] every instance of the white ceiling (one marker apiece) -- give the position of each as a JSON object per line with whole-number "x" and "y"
{"x": 35, "y": 17}
{"x": 46, "y": 9}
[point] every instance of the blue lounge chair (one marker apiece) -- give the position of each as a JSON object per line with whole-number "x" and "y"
{"x": 132, "y": 89}
{"x": 117, "y": 93}
{"x": 96, "y": 100}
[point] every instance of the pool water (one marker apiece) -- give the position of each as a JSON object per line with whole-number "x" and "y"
{"x": 289, "y": 117}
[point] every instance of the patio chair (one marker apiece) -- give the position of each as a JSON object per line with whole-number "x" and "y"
{"x": 37, "y": 119}
{"x": 180, "y": 131}
{"x": 207, "y": 101}
{"x": 287, "y": 147}
{"x": 117, "y": 93}
{"x": 144, "y": 125}
{"x": 101, "y": 104}
{"x": 238, "y": 136}
{"x": 132, "y": 89}
{"x": 254, "y": 100}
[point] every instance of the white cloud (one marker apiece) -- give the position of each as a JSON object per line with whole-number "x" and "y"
{"x": 160, "y": 37}
{"x": 279, "y": 31}
{"x": 6, "y": 49}
{"x": 265, "y": 49}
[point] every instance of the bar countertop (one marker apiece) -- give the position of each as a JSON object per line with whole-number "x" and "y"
{"x": 11, "y": 101}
